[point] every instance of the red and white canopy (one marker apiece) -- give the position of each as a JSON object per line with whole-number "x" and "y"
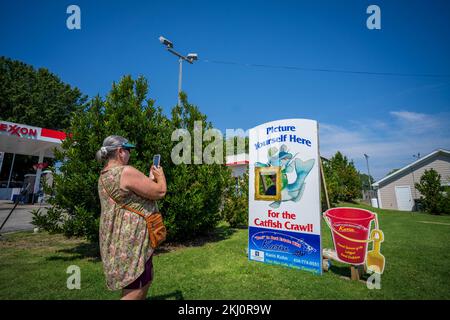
{"x": 28, "y": 140}
{"x": 236, "y": 160}
{"x": 238, "y": 164}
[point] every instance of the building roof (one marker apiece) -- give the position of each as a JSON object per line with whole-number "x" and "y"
{"x": 415, "y": 163}
{"x": 28, "y": 140}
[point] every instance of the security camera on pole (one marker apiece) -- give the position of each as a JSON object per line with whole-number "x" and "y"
{"x": 191, "y": 57}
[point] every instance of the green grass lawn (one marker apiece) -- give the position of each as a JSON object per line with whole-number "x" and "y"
{"x": 33, "y": 266}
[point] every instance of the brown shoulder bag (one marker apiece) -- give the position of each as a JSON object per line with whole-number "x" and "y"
{"x": 155, "y": 225}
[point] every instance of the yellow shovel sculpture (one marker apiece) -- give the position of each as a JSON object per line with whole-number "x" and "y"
{"x": 375, "y": 260}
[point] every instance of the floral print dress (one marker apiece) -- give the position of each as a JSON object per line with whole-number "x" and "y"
{"x": 124, "y": 240}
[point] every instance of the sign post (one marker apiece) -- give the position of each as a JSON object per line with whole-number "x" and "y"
{"x": 284, "y": 194}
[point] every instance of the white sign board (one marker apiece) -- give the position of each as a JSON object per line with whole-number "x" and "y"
{"x": 284, "y": 194}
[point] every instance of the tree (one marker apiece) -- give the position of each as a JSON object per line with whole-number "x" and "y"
{"x": 366, "y": 181}
{"x": 431, "y": 191}
{"x": 342, "y": 178}
{"x": 36, "y": 97}
{"x": 195, "y": 192}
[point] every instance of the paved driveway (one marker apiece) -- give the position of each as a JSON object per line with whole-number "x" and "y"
{"x": 21, "y": 217}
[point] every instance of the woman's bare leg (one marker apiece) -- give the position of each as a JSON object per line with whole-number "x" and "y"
{"x": 136, "y": 294}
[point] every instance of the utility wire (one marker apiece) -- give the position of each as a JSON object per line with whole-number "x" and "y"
{"x": 328, "y": 70}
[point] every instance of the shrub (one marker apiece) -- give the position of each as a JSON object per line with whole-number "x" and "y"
{"x": 235, "y": 209}
{"x": 194, "y": 195}
{"x": 444, "y": 204}
{"x": 432, "y": 198}
{"x": 50, "y": 221}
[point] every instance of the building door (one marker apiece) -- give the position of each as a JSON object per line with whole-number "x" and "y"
{"x": 404, "y": 198}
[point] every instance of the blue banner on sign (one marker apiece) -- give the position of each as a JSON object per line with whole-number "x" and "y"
{"x": 290, "y": 249}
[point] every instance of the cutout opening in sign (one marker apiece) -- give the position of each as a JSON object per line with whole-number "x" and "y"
{"x": 268, "y": 183}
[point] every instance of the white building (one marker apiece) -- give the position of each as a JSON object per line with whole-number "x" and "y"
{"x": 238, "y": 164}
{"x": 397, "y": 190}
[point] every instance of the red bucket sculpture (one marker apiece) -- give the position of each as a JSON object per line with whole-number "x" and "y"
{"x": 350, "y": 228}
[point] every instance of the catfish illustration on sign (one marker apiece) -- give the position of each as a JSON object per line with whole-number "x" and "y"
{"x": 288, "y": 163}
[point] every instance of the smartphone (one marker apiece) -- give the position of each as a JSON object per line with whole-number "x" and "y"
{"x": 156, "y": 160}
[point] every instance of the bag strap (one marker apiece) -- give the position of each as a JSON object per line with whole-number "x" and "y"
{"x": 123, "y": 206}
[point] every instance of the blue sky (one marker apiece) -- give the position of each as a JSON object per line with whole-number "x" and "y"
{"x": 390, "y": 118}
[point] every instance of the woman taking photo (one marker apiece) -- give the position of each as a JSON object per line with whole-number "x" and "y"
{"x": 125, "y": 246}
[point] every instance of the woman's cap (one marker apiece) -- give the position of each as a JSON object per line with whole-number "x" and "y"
{"x": 110, "y": 145}
{"x": 114, "y": 142}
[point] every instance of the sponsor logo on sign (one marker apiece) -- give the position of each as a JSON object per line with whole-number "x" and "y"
{"x": 257, "y": 255}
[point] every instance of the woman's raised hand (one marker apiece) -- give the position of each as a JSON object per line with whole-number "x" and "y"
{"x": 157, "y": 172}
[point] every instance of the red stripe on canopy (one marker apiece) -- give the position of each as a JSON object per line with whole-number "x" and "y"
{"x": 53, "y": 134}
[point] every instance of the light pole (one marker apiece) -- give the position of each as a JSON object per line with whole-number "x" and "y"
{"x": 417, "y": 156}
{"x": 368, "y": 171}
{"x": 191, "y": 57}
